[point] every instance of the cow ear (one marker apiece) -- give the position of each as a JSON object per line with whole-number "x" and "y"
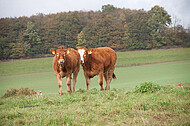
{"x": 53, "y": 51}
{"x": 90, "y": 52}
{"x": 66, "y": 52}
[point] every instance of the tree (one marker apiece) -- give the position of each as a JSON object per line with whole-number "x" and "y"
{"x": 158, "y": 21}
{"x": 4, "y": 48}
{"x": 108, "y": 8}
{"x": 103, "y": 31}
{"x": 32, "y": 39}
{"x": 137, "y": 31}
{"x": 114, "y": 27}
{"x": 20, "y": 48}
{"x": 69, "y": 26}
{"x": 81, "y": 39}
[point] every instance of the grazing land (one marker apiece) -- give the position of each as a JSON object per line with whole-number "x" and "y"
{"x": 132, "y": 58}
{"x": 120, "y": 106}
{"x": 135, "y": 58}
{"x": 168, "y": 106}
{"x": 127, "y": 78}
{"x": 168, "y": 66}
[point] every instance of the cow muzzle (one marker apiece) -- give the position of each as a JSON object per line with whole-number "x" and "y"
{"x": 61, "y": 61}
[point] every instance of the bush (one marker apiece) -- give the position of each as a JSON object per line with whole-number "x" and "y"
{"x": 17, "y": 92}
{"x": 147, "y": 87}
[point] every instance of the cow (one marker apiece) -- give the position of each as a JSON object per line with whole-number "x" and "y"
{"x": 98, "y": 61}
{"x": 65, "y": 63}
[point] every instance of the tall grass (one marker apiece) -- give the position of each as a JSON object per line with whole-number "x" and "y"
{"x": 131, "y": 58}
{"x": 168, "y": 106}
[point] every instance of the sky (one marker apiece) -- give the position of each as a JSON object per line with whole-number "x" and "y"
{"x": 178, "y": 9}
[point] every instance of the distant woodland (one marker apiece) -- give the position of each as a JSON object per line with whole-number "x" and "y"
{"x": 119, "y": 28}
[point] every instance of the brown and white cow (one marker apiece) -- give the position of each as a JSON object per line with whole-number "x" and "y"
{"x": 98, "y": 61}
{"x": 65, "y": 63}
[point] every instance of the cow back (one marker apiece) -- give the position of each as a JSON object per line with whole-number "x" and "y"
{"x": 105, "y": 56}
{"x": 72, "y": 59}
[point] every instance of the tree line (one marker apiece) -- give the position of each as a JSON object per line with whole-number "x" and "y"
{"x": 119, "y": 28}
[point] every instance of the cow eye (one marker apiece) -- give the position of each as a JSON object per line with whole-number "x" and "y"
{"x": 57, "y": 54}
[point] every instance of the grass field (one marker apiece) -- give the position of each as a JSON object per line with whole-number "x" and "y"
{"x": 38, "y": 73}
{"x": 133, "y": 58}
{"x": 127, "y": 77}
{"x": 120, "y": 106}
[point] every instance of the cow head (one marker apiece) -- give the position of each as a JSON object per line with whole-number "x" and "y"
{"x": 60, "y": 54}
{"x": 84, "y": 53}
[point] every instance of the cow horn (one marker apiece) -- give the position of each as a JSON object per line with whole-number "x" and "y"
{"x": 90, "y": 52}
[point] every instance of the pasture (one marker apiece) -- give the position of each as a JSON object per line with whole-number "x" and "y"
{"x": 168, "y": 106}
{"x": 168, "y": 66}
{"x": 120, "y": 106}
{"x": 127, "y": 78}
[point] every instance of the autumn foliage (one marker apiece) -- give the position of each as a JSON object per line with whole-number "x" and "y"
{"x": 120, "y": 29}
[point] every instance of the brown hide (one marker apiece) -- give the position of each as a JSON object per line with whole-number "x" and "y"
{"x": 99, "y": 61}
{"x": 65, "y": 63}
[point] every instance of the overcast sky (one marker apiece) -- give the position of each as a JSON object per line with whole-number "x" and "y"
{"x": 17, "y": 8}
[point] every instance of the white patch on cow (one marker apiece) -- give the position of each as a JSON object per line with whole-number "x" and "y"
{"x": 81, "y": 52}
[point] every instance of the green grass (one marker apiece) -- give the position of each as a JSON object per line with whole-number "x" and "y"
{"x": 132, "y": 58}
{"x": 120, "y": 106}
{"x": 38, "y": 73}
{"x": 127, "y": 78}
{"x": 168, "y": 106}
{"x": 26, "y": 66}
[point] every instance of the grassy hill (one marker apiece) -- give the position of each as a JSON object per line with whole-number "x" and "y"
{"x": 167, "y": 106}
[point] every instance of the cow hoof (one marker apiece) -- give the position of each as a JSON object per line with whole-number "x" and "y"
{"x": 69, "y": 91}
{"x": 107, "y": 88}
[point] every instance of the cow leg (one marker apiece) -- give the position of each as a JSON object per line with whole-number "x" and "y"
{"x": 110, "y": 75}
{"x": 106, "y": 76}
{"x": 59, "y": 84}
{"x": 101, "y": 81}
{"x": 75, "y": 79}
{"x": 108, "y": 82}
{"x": 68, "y": 82}
{"x": 87, "y": 81}
{"x": 106, "y": 79}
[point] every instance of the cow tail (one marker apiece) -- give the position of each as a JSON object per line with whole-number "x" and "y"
{"x": 113, "y": 76}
